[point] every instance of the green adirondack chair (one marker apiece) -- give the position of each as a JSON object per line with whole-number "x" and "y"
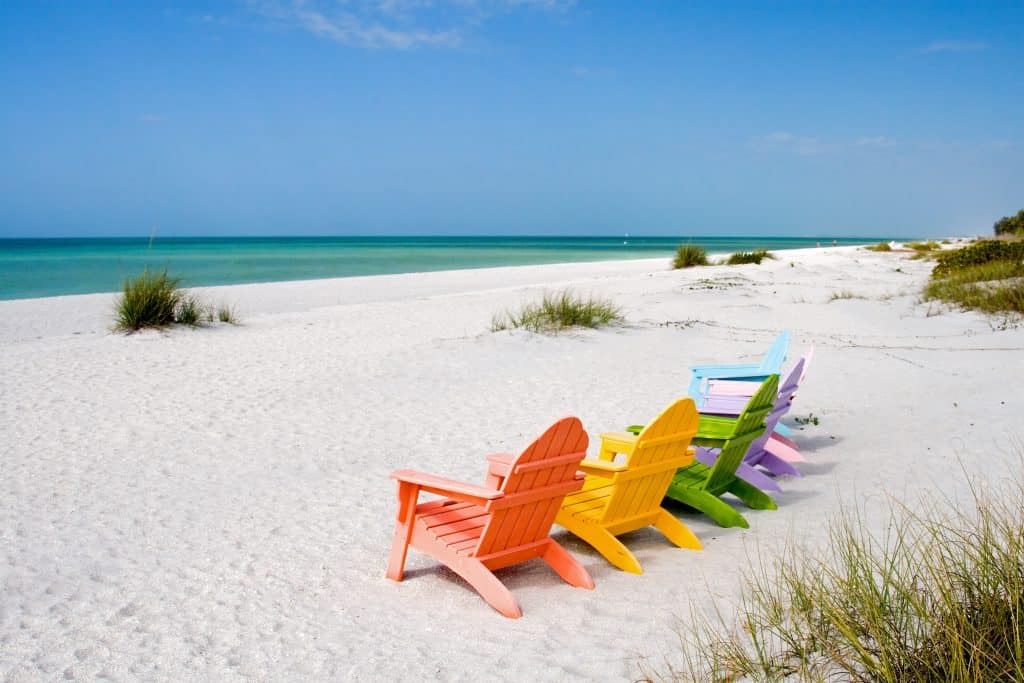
{"x": 700, "y": 486}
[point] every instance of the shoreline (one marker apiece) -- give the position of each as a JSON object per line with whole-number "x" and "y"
{"x": 301, "y": 264}
{"x": 72, "y": 314}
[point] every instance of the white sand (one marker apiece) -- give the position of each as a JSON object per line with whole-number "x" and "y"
{"x": 215, "y": 504}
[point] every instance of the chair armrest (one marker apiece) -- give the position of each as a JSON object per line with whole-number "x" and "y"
{"x": 499, "y": 466}
{"x": 601, "y": 468}
{"x": 727, "y": 370}
{"x": 450, "y": 487}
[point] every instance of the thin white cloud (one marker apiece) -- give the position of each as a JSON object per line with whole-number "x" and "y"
{"x": 394, "y": 24}
{"x": 954, "y": 46}
{"x": 349, "y": 29}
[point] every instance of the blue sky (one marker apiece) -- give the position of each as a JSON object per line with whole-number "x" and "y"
{"x": 509, "y": 117}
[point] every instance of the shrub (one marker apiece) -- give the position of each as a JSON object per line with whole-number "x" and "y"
{"x": 190, "y": 311}
{"x": 149, "y": 300}
{"x": 559, "y": 311}
{"x": 155, "y": 300}
{"x": 939, "y": 597}
{"x": 688, "y": 255}
{"x": 995, "y": 287}
{"x": 741, "y": 257}
{"x": 983, "y": 251}
{"x": 881, "y": 246}
{"x": 930, "y": 245}
{"x": 1010, "y": 225}
{"x": 226, "y": 314}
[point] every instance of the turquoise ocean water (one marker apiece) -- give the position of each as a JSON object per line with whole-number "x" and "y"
{"x": 52, "y": 267}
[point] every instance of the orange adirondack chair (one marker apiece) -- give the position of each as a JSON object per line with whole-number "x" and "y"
{"x": 477, "y": 529}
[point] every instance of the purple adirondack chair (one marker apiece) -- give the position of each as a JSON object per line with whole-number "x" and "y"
{"x": 756, "y": 454}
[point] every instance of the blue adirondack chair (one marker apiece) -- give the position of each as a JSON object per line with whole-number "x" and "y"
{"x": 769, "y": 365}
{"x": 756, "y": 455}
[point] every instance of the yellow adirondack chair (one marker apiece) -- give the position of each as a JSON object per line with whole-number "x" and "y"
{"x": 619, "y": 498}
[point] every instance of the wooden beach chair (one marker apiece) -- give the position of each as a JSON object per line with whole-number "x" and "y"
{"x": 621, "y": 497}
{"x": 756, "y": 454}
{"x": 729, "y": 396}
{"x": 477, "y": 529}
{"x": 770, "y": 364}
{"x": 700, "y": 486}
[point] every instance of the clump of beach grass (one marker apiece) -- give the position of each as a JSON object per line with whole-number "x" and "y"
{"x": 154, "y": 300}
{"x": 938, "y": 597}
{"x": 226, "y": 314}
{"x": 741, "y": 257}
{"x": 148, "y": 300}
{"x": 844, "y": 295}
{"x": 190, "y": 311}
{"x": 987, "y": 276}
{"x": 924, "y": 250}
{"x": 559, "y": 311}
{"x": 881, "y": 246}
{"x": 689, "y": 255}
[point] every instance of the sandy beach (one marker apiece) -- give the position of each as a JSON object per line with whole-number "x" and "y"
{"x": 214, "y": 504}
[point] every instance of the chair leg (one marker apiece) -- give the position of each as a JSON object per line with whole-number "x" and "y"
{"x": 567, "y": 566}
{"x": 487, "y": 585}
{"x": 756, "y": 478}
{"x": 407, "y": 495}
{"x": 778, "y": 466}
{"x": 751, "y": 495}
{"x": 676, "y": 531}
{"x": 785, "y": 446}
{"x": 601, "y": 540}
{"x": 718, "y": 510}
{"x": 781, "y": 449}
{"x": 784, "y": 430}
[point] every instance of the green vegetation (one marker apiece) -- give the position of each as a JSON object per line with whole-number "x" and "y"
{"x": 982, "y": 251}
{"x": 844, "y": 295}
{"x": 924, "y": 250}
{"x": 559, "y": 311}
{"x": 881, "y": 246}
{"x": 939, "y": 596}
{"x": 688, "y": 255}
{"x": 149, "y": 300}
{"x": 1010, "y": 225}
{"x": 811, "y": 419}
{"x": 741, "y": 257}
{"x": 155, "y": 300}
{"x": 996, "y": 287}
{"x": 190, "y": 311}
{"x": 987, "y": 276}
{"x": 226, "y": 314}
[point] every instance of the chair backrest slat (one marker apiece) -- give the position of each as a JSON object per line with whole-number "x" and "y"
{"x": 540, "y": 469}
{"x": 749, "y": 425}
{"x": 776, "y": 355}
{"x": 660, "y": 449}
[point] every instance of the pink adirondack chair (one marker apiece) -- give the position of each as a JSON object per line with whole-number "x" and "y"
{"x": 477, "y": 529}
